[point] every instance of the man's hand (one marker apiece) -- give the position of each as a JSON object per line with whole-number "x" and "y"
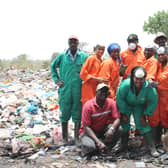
{"x": 124, "y": 118}
{"x": 122, "y": 69}
{"x": 152, "y": 84}
{"x": 100, "y": 79}
{"x": 60, "y": 83}
{"x": 101, "y": 146}
{"x": 109, "y": 134}
{"x": 143, "y": 120}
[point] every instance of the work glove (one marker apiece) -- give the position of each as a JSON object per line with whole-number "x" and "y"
{"x": 122, "y": 69}
{"x": 152, "y": 84}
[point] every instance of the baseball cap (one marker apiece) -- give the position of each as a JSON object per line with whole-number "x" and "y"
{"x": 73, "y": 37}
{"x": 101, "y": 85}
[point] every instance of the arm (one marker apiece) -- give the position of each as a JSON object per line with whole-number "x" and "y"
{"x": 152, "y": 101}
{"x": 54, "y": 65}
{"x": 91, "y": 134}
{"x": 84, "y": 73}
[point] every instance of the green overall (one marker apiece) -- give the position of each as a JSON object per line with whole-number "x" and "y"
{"x": 70, "y": 94}
{"x": 143, "y": 104}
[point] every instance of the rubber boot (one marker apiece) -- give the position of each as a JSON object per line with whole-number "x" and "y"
{"x": 76, "y": 133}
{"x": 124, "y": 142}
{"x": 157, "y": 132}
{"x": 150, "y": 142}
{"x": 64, "y": 132}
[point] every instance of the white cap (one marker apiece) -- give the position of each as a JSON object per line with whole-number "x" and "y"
{"x": 139, "y": 73}
{"x": 149, "y": 46}
{"x": 161, "y": 50}
{"x": 101, "y": 85}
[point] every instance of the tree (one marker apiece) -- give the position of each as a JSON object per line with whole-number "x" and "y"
{"x": 157, "y": 23}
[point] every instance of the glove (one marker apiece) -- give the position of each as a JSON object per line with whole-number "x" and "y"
{"x": 152, "y": 84}
{"x": 122, "y": 69}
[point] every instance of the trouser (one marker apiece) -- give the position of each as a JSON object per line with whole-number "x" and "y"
{"x": 88, "y": 145}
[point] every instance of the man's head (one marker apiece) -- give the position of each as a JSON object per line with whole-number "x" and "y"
{"x": 149, "y": 51}
{"x": 114, "y": 50}
{"x": 132, "y": 42}
{"x": 73, "y": 43}
{"x": 102, "y": 91}
{"x": 99, "y": 50}
{"x": 161, "y": 39}
{"x": 162, "y": 54}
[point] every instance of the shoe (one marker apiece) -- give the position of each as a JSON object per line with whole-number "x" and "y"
{"x": 155, "y": 153}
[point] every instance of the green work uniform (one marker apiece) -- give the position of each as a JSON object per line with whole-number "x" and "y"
{"x": 143, "y": 104}
{"x": 70, "y": 93}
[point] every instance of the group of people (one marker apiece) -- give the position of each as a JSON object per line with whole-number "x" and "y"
{"x": 101, "y": 95}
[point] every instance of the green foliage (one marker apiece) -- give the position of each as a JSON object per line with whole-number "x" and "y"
{"x": 157, "y": 23}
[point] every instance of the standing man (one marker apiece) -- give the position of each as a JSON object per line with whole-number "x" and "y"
{"x": 100, "y": 122}
{"x": 69, "y": 83}
{"x": 89, "y": 74}
{"x": 133, "y": 56}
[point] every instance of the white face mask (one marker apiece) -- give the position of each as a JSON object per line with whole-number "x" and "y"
{"x": 132, "y": 46}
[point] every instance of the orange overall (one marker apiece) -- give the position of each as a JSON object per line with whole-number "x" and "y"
{"x": 89, "y": 69}
{"x": 110, "y": 71}
{"x": 151, "y": 65}
{"x": 161, "y": 113}
{"x": 132, "y": 59}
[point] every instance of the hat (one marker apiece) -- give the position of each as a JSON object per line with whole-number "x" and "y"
{"x": 161, "y": 50}
{"x": 101, "y": 85}
{"x": 158, "y": 35}
{"x": 149, "y": 46}
{"x": 139, "y": 73}
{"x": 113, "y": 46}
{"x": 132, "y": 37}
{"x": 73, "y": 37}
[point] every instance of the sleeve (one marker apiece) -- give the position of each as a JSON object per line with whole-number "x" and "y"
{"x": 54, "y": 65}
{"x": 86, "y": 115}
{"x": 152, "y": 70}
{"x": 105, "y": 71}
{"x": 121, "y": 97}
{"x": 84, "y": 73}
{"x": 152, "y": 101}
{"x": 163, "y": 77}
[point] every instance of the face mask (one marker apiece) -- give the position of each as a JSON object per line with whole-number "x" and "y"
{"x": 132, "y": 46}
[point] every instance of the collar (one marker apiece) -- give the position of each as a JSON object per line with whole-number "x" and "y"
{"x": 96, "y": 105}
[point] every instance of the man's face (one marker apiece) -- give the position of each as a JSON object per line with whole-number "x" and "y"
{"x": 161, "y": 41}
{"x": 115, "y": 54}
{"x": 73, "y": 44}
{"x": 102, "y": 94}
{"x": 162, "y": 57}
{"x": 100, "y": 51}
{"x": 148, "y": 52}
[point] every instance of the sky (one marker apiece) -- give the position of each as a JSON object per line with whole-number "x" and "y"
{"x": 38, "y": 28}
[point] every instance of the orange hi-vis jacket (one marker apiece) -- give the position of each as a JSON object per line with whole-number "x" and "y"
{"x": 151, "y": 65}
{"x": 132, "y": 59}
{"x": 161, "y": 113}
{"x": 90, "y": 68}
{"x": 110, "y": 71}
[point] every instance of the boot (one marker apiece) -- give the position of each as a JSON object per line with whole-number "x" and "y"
{"x": 124, "y": 142}
{"x": 76, "y": 133}
{"x": 157, "y": 132}
{"x": 64, "y": 132}
{"x": 149, "y": 140}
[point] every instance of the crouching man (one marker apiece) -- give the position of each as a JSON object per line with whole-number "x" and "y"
{"x": 100, "y": 122}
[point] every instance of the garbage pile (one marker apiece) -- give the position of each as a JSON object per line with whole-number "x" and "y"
{"x": 30, "y": 126}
